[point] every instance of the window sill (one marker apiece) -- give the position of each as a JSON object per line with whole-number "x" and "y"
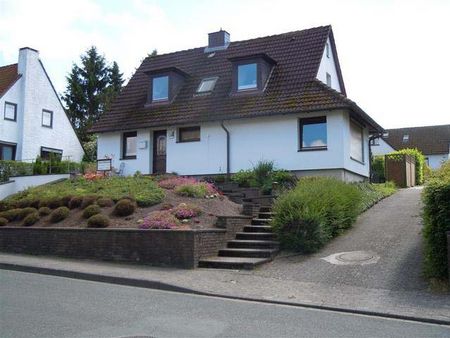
{"x": 49, "y": 127}
{"x": 12, "y": 120}
{"x": 360, "y": 162}
{"x": 190, "y": 141}
{"x": 313, "y": 149}
{"x": 127, "y": 158}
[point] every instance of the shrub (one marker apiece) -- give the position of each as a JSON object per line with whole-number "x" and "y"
{"x": 166, "y": 206}
{"x": 25, "y": 212}
{"x": 31, "y": 219}
{"x": 66, "y": 200}
{"x": 245, "y": 178}
{"x": 44, "y": 211}
{"x": 105, "y": 202}
{"x": 98, "y": 221}
{"x": 3, "y": 221}
{"x": 284, "y": 178}
{"x": 59, "y": 214}
{"x": 184, "y": 211}
{"x": 91, "y": 210}
{"x": 51, "y": 202}
{"x": 87, "y": 201}
{"x": 316, "y": 210}
{"x": 160, "y": 220}
{"x": 27, "y": 202}
{"x": 75, "y": 202}
{"x": 373, "y": 193}
{"x": 11, "y": 214}
{"x": 4, "y": 206}
{"x": 436, "y": 216}
{"x": 124, "y": 207}
{"x": 191, "y": 190}
{"x": 146, "y": 200}
{"x": 378, "y": 170}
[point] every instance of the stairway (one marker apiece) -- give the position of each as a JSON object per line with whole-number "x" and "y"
{"x": 253, "y": 246}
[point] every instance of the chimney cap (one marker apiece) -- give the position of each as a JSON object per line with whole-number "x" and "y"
{"x": 34, "y": 50}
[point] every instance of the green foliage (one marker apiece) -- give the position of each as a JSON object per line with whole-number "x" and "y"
{"x": 245, "y": 178}
{"x": 11, "y": 214}
{"x": 52, "y": 202}
{"x": 91, "y": 210}
{"x": 59, "y": 214}
{"x": 3, "y": 221}
{"x": 14, "y": 168}
{"x": 419, "y": 160}
{"x": 90, "y": 148}
{"x": 98, "y": 221}
{"x": 31, "y": 219}
{"x": 124, "y": 207}
{"x": 105, "y": 202}
{"x": 88, "y": 200}
{"x": 75, "y": 202}
{"x": 378, "y": 170}
{"x": 436, "y": 216}
{"x": 25, "y": 212}
{"x": 373, "y": 193}
{"x": 44, "y": 211}
{"x": 192, "y": 190}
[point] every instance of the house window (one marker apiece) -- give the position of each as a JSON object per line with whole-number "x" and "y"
{"x": 10, "y": 111}
{"x": 207, "y": 85}
{"x": 247, "y": 76}
{"x": 51, "y": 153}
{"x": 7, "y": 151}
{"x": 129, "y": 145}
{"x": 375, "y": 142}
{"x": 356, "y": 142}
{"x": 47, "y": 118}
{"x": 189, "y": 134}
{"x": 313, "y": 133}
{"x": 160, "y": 88}
{"x": 327, "y": 48}
{"x": 328, "y": 80}
{"x": 405, "y": 138}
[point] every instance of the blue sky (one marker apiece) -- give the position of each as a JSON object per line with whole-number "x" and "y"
{"x": 393, "y": 54}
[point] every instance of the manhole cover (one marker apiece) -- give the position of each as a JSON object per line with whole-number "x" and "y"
{"x": 352, "y": 258}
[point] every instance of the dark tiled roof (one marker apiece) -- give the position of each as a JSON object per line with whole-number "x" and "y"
{"x": 429, "y": 140}
{"x": 291, "y": 88}
{"x": 8, "y": 76}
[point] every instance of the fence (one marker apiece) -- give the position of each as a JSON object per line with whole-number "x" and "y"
{"x": 401, "y": 169}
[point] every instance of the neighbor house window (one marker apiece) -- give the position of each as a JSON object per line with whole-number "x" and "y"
{"x": 51, "y": 153}
{"x": 405, "y": 138}
{"x": 375, "y": 142}
{"x": 356, "y": 142}
{"x": 7, "y": 151}
{"x": 207, "y": 85}
{"x": 328, "y": 80}
{"x": 10, "y": 111}
{"x": 189, "y": 134}
{"x": 129, "y": 145}
{"x": 327, "y": 47}
{"x": 247, "y": 76}
{"x": 47, "y": 118}
{"x": 160, "y": 88}
{"x": 313, "y": 133}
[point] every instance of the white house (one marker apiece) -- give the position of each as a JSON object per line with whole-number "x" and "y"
{"x": 432, "y": 141}
{"x": 222, "y": 108}
{"x": 33, "y": 121}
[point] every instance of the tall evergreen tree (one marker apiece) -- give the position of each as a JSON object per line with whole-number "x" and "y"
{"x": 115, "y": 84}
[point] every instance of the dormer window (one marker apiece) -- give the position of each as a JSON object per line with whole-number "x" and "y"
{"x": 405, "y": 138}
{"x": 247, "y": 76}
{"x": 160, "y": 88}
{"x": 207, "y": 85}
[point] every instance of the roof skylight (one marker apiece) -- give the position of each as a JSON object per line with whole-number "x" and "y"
{"x": 207, "y": 85}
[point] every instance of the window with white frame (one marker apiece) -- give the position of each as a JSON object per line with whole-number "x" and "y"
{"x": 328, "y": 80}
{"x": 405, "y": 138}
{"x": 327, "y": 50}
{"x": 160, "y": 88}
{"x": 356, "y": 142}
{"x": 247, "y": 76}
{"x": 47, "y": 118}
{"x": 207, "y": 85}
{"x": 10, "y": 111}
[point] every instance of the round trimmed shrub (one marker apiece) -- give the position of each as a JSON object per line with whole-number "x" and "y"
{"x": 75, "y": 202}
{"x": 91, "y": 210}
{"x": 59, "y": 214}
{"x": 25, "y": 212}
{"x": 66, "y": 200}
{"x": 44, "y": 211}
{"x": 51, "y": 202}
{"x": 31, "y": 219}
{"x": 124, "y": 207}
{"x": 28, "y": 202}
{"x": 98, "y": 221}
{"x": 87, "y": 201}
{"x": 11, "y": 214}
{"x": 105, "y": 202}
{"x": 3, "y": 221}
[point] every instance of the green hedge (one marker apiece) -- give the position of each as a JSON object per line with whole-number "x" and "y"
{"x": 378, "y": 171}
{"x": 436, "y": 215}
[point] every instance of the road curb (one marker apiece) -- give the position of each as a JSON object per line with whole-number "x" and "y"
{"x": 157, "y": 285}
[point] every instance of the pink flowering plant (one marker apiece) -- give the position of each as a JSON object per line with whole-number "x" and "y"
{"x": 186, "y": 211}
{"x": 160, "y": 220}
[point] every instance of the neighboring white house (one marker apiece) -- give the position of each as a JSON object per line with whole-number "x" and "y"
{"x": 223, "y": 108}
{"x": 32, "y": 120}
{"x": 432, "y": 141}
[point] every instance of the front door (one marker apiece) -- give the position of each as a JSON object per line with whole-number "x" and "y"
{"x": 159, "y": 151}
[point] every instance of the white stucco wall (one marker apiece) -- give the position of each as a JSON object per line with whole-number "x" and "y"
{"x": 251, "y": 140}
{"x": 382, "y": 148}
{"x": 11, "y": 131}
{"x": 328, "y": 65}
{"x": 37, "y": 95}
{"x": 435, "y": 161}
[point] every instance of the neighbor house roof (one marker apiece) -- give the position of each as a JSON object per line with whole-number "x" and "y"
{"x": 429, "y": 140}
{"x": 8, "y": 76}
{"x": 291, "y": 88}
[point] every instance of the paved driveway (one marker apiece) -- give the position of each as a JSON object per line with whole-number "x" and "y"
{"x": 391, "y": 229}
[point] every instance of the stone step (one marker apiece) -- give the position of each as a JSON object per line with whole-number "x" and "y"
{"x": 246, "y": 263}
{"x": 257, "y": 253}
{"x": 261, "y": 221}
{"x": 234, "y": 194}
{"x": 257, "y": 228}
{"x": 265, "y": 215}
{"x": 257, "y": 236}
{"x": 252, "y": 244}
{"x": 265, "y": 209}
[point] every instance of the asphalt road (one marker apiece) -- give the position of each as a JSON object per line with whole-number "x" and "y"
{"x": 34, "y": 305}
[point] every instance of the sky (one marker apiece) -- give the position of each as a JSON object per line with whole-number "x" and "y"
{"x": 394, "y": 55}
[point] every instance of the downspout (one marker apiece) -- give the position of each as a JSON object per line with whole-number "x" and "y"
{"x": 228, "y": 149}
{"x": 372, "y": 137}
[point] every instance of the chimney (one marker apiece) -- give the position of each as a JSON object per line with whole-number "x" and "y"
{"x": 26, "y": 55}
{"x": 218, "y": 41}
